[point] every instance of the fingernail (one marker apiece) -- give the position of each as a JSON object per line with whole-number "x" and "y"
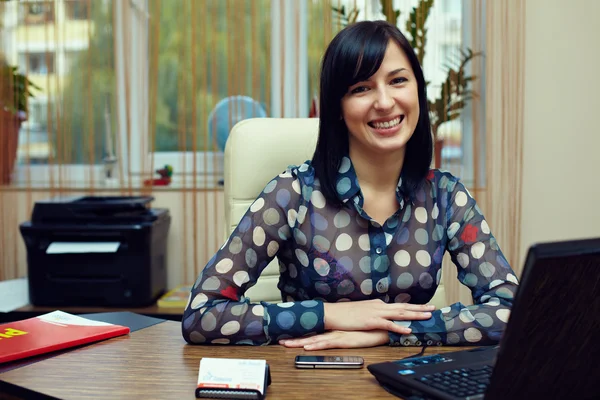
{"x": 282, "y": 342}
{"x": 427, "y": 314}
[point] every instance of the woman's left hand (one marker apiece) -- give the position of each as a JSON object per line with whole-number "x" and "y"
{"x": 339, "y": 340}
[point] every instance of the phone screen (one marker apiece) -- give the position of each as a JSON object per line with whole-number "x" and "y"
{"x": 311, "y": 358}
{"x": 330, "y": 361}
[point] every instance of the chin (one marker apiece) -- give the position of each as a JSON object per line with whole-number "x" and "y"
{"x": 384, "y": 149}
{"x": 394, "y": 142}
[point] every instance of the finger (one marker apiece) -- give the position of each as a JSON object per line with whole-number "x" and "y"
{"x": 393, "y": 327}
{"x": 322, "y": 345}
{"x": 416, "y": 307}
{"x": 403, "y": 315}
{"x": 291, "y": 343}
{"x": 333, "y": 342}
{"x": 300, "y": 341}
{"x": 414, "y": 315}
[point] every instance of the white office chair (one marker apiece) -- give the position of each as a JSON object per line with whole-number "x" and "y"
{"x": 257, "y": 150}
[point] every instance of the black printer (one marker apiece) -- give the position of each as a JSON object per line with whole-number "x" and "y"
{"x": 96, "y": 251}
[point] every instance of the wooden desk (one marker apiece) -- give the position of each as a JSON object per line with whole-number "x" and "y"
{"x": 156, "y": 363}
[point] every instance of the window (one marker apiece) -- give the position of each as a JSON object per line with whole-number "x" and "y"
{"x": 176, "y": 63}
{"x": 227, "y": 63}
{"x": 35, "y": 147}
{"x": 36, "y": 12}
{"x": 448, "y": 32}
{"x": 452, "y": 6}
{"x": 73, "y": 59}
{"x": 77, "y": 9}
{"x": 70, "y": 119}
{"x": 38, "y": 63}
{"x": 209, "y": 66}
{"x": 38, "y": 112}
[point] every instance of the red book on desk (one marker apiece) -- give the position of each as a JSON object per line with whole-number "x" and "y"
{"x": 50, "y": 332}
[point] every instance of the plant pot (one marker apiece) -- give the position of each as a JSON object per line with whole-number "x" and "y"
{"x": 10, "y": 123}
{"x": 437, "y": 153}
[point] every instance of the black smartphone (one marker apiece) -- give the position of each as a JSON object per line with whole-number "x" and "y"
{"x": 342, "y": 362}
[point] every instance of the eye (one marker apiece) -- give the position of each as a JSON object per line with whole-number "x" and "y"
{"x": 399, "y": 80}
{"x": 359, "y": 89}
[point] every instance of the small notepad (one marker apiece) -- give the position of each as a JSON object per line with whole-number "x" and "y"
{"x": 232, "y": 378}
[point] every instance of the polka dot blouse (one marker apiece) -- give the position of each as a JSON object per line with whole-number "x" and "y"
{"x": 328, "y": 254}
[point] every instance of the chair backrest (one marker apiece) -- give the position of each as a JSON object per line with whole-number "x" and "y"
{"x": 257, "y": 150}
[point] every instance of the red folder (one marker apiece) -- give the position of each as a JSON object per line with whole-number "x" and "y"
{"x": 51, "y": 332}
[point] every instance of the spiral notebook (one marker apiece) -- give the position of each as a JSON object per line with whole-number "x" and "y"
{"x": 232, "y": 378}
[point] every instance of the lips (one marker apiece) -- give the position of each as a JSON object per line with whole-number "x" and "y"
{"x": 384, "y": 124}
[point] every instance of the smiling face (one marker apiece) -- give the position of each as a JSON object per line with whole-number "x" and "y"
{"x": 382, "y": 112}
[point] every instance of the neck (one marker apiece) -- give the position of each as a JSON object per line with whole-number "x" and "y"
{"x": 379, "y": 172}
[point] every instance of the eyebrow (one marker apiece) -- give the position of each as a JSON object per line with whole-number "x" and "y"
{"x": 394, "y": 72}
{"x": 391, "y": 73}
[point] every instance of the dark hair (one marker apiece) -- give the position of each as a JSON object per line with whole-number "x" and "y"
{"x": 354, "y": 55}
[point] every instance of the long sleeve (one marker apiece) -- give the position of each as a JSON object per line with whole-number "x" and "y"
{"x": 482, "y": 268}
{"x": 217, "y": 312}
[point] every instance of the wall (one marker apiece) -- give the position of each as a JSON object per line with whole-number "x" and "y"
{"x": 561, "y": 186}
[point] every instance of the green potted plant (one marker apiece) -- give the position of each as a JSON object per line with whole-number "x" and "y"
{"x": 15, "y": 89}
{"x": 455, "y": 90}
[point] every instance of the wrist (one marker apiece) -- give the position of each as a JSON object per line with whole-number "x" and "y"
{"x": 384, "y": 337}
{"x": 327, "y": 315}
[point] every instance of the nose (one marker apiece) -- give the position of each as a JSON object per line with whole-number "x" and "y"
{"x": 384, "y": 101}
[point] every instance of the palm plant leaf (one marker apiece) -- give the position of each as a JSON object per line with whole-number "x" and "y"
{"x": 343, "y": 19}
{"x": 415, "y": 25}
{"x": 387, "y": 9}
{"x": 20, "y": 87}
{"x": 454, "y": 91}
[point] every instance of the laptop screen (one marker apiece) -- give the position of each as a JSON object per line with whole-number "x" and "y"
{"x": 552, "y": 342}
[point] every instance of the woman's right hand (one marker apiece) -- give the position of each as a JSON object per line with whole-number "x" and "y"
{"x": 366, "y": 315}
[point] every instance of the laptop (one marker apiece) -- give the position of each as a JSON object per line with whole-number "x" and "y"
{"x": 550, "y": 348}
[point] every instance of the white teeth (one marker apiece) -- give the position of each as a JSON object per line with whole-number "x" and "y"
{"x": 387, "y": 125}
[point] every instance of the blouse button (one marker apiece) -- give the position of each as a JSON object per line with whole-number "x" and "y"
{"x": 378, "y": 250}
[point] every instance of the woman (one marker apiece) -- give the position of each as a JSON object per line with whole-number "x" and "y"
{"x": 361, "y": 229}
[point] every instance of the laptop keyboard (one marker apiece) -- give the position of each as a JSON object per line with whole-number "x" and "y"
{"x": 462, "y": 382}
